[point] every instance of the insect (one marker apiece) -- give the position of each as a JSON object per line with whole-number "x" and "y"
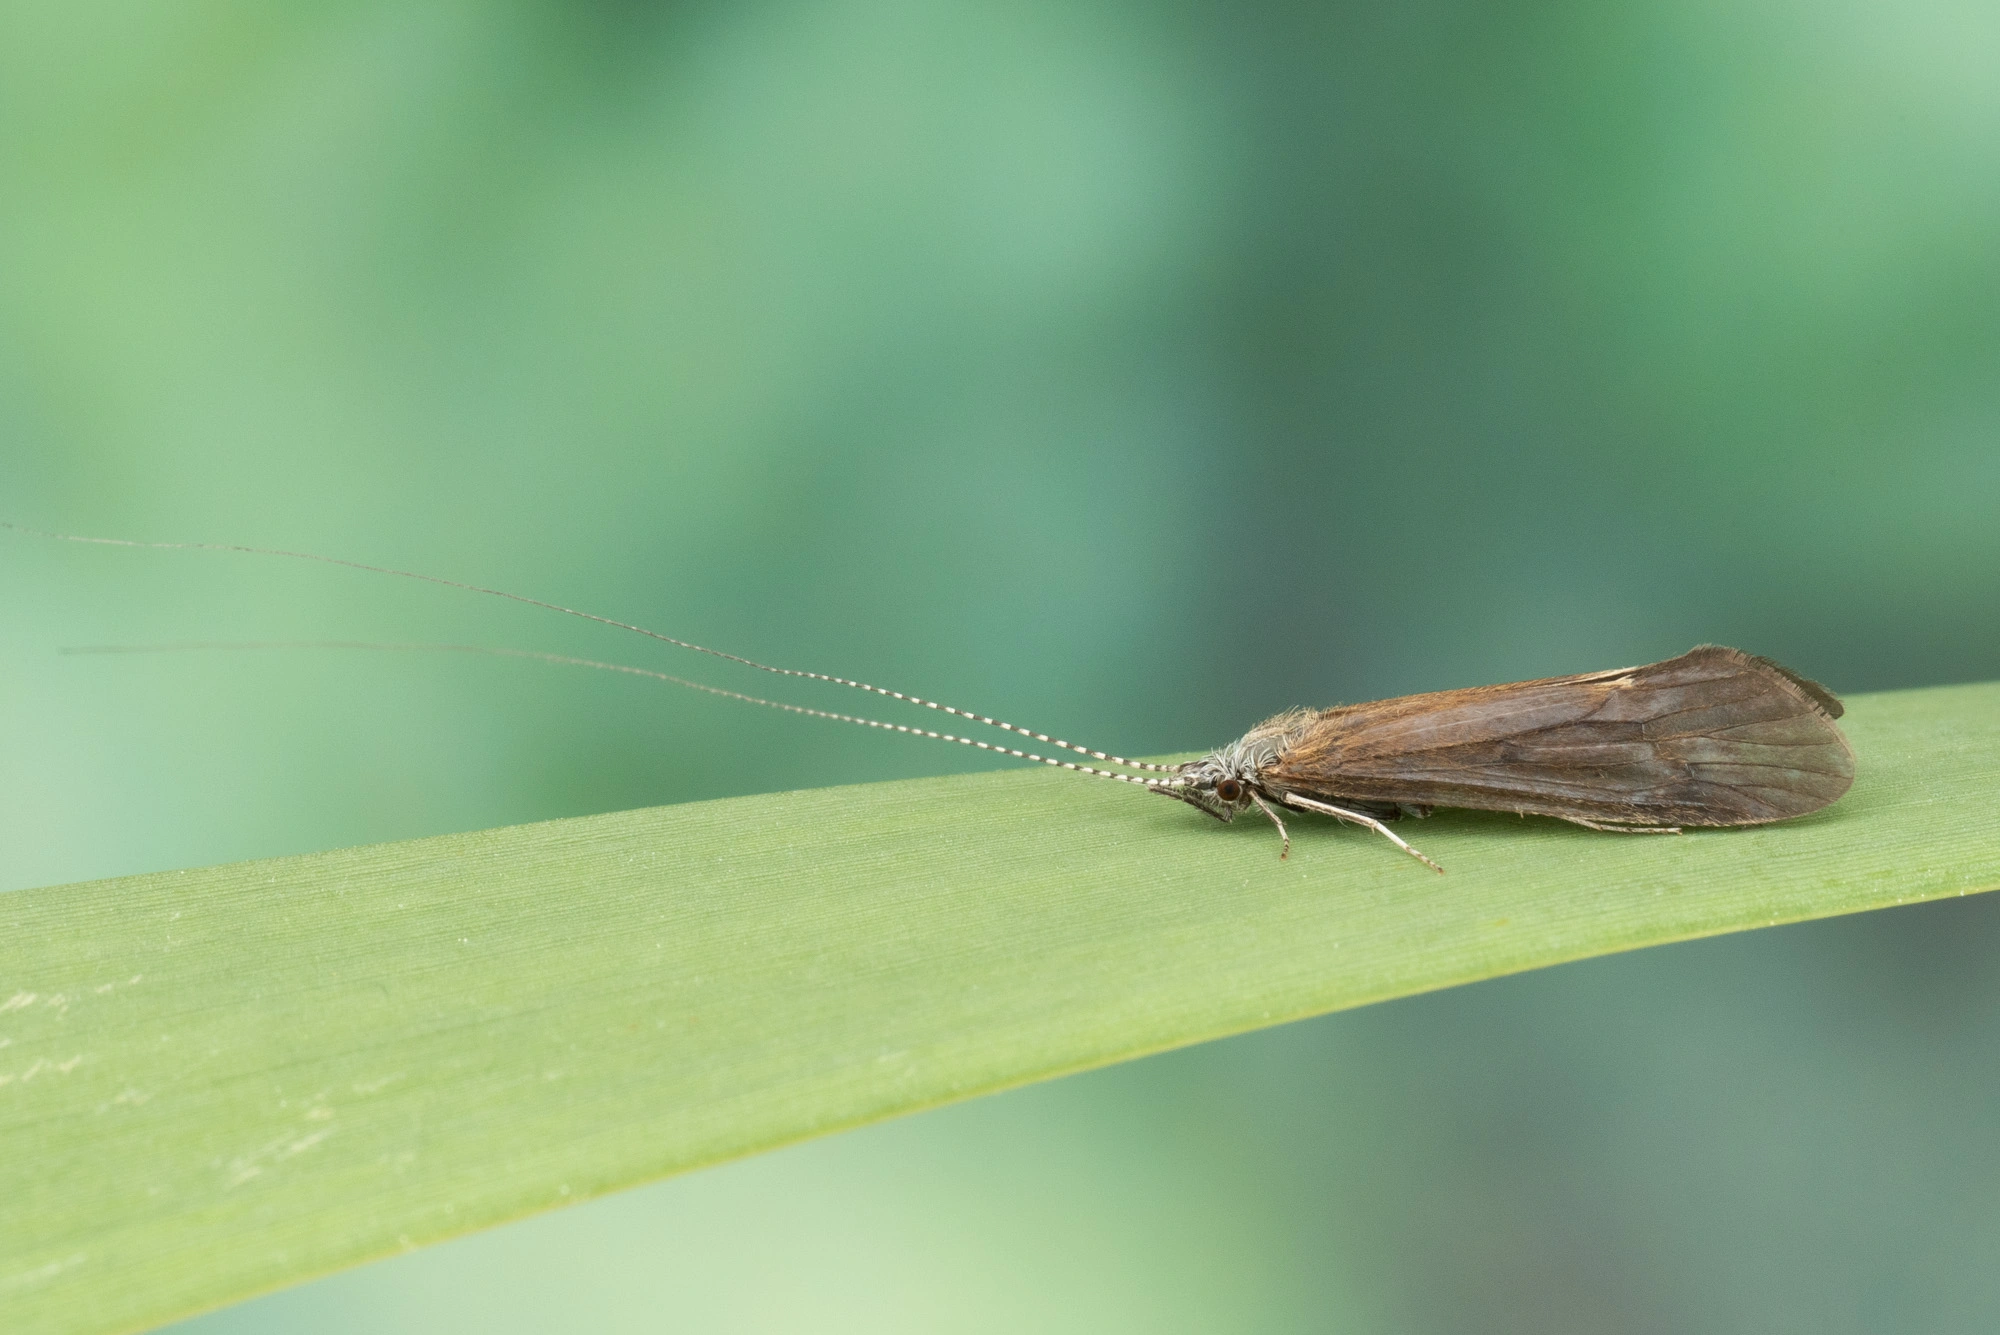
{"x": 1715, "y": 737}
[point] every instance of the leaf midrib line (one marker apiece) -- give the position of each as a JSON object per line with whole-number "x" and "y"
{"x": 333, "y": 1057}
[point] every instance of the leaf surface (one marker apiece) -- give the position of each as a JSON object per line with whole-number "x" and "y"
{"x": 218, "y": 1082}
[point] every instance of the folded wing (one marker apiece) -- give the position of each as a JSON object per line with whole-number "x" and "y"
{"x": 1714, "y": 737}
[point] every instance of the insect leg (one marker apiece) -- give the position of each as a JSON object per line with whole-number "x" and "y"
{"x": 1307, "y": 804}
{"x": 1285, "y": 849}
{"x": 1621, "y": 829}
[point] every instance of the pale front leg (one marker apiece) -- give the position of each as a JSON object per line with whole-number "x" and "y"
{"x": 1307, "y": 804}
{"x": 1285, "y": 848}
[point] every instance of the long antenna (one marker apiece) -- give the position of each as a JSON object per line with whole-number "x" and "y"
{"x": 606, "y": 621}
{"x": 568, "y": 660}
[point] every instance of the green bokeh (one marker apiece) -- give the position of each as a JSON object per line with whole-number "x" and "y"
{"x": 1131, "y": 370}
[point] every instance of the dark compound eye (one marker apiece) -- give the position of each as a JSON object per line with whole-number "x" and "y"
{"x": 1230, "y": 790}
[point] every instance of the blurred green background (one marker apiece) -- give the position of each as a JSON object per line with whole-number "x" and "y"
{"x": 1130, "y": 370}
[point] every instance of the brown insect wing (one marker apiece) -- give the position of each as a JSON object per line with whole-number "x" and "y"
{"x": 1714, "y": 737}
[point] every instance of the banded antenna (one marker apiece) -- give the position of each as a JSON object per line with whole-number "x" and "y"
{"x": 1168, "y": 785}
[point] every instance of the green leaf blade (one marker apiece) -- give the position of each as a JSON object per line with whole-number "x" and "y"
{"x": 218, "y": 1082}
